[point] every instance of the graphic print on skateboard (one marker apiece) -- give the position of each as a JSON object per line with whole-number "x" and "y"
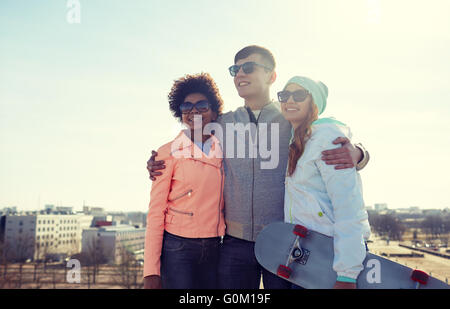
{"x": 305, "y": 258}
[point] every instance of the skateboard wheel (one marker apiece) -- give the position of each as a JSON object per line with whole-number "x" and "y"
{"x": 284, "y": 271}
{"x": 297, "y": 253}
{"x": 300, "y": 230}
{"x": 419, "y": 276}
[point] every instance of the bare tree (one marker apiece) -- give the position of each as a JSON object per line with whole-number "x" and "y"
{"x": 22, "y": 248}
{"x": 436, "y": 225}
{"x": 94, "y": 255}
{"x": 5, "y": 278}
{"x": 37, "y": 260}
{"x": 127, "y": 269}
{"x": 387, "y": 225}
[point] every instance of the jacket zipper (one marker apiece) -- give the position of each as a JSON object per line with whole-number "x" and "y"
{"x": 181, "y": 212}
{"x": 253, "y": 190}
{"x": 290, "y": 203}
{"x": 188, "y": 193}
{"x": 253, "y": 164}
{"x": 181, "y": 195}
{"x": 220, "y": 199}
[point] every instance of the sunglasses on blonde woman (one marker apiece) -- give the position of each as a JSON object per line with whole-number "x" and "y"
{"x": 298, "y": 96}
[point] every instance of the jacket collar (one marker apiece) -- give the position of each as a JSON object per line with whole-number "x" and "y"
{"x": 183, "y": 147}
{"x": 268, "y": 109}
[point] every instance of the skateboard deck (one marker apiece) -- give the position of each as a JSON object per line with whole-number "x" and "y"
{"x": 305, "y": 258}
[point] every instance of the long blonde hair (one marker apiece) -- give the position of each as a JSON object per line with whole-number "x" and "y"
{"x": 301, "y": 135}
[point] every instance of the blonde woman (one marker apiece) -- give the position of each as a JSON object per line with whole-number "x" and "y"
{"x": 318, "y": 196}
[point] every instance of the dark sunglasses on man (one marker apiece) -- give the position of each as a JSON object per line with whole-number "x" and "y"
{"x": 298, "y": 95}
{"x": 201, "y": 106}
{"x": 247, "y": 67}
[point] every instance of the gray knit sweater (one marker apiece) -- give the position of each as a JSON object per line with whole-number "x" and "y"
{"x": 254, "y": 183}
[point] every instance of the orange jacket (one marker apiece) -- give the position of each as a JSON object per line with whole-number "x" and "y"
{"x": 187, "y": 199}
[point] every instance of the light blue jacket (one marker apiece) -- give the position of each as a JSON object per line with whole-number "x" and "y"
{"x": 329, "y": 201}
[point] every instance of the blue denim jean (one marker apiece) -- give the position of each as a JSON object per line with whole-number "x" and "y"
{"x": 189, "y": 263}
{"x": 239, "y": 269}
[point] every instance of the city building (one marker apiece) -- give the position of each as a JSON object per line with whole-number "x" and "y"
{"x": 380, "y": 207}
{"x": 8, "y": 210}
{"x": 42, "y": 235}
{"x": 432, "y": 212}
{"x": 137, "y": 219}
{"x": 113, "y": 242}
{"x": 90, "y": 210}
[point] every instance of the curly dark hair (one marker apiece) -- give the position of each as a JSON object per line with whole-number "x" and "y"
{"x": 197, "y": 83}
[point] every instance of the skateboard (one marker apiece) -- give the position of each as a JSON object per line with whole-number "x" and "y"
{"x": 305, "y": 258}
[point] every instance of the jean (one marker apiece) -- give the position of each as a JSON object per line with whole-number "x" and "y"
{"x": 239, "y": 269}
{"x": 189, "y": 263}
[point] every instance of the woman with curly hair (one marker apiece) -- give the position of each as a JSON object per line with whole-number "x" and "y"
{"x": 185, "y": 221}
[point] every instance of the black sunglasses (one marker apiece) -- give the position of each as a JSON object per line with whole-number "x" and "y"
{"x": 298, "y": 96}
{"x": 201, "y": 106}
{"x": 247, "y": 67}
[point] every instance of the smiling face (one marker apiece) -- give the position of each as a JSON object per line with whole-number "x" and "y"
{"x": 189, "y": 119}
{"x": 254, "y": 84}
{"x": 296, "y": 112}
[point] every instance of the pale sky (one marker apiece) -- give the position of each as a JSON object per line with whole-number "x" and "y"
{"x": 82, "y": 105}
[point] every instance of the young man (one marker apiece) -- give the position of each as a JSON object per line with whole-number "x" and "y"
{"x": 254, "y": 194}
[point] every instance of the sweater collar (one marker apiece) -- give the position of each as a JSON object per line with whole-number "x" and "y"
{"x": 269, "y": 107}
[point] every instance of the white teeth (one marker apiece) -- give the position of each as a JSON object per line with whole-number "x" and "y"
{"x": 244, "y": 83}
